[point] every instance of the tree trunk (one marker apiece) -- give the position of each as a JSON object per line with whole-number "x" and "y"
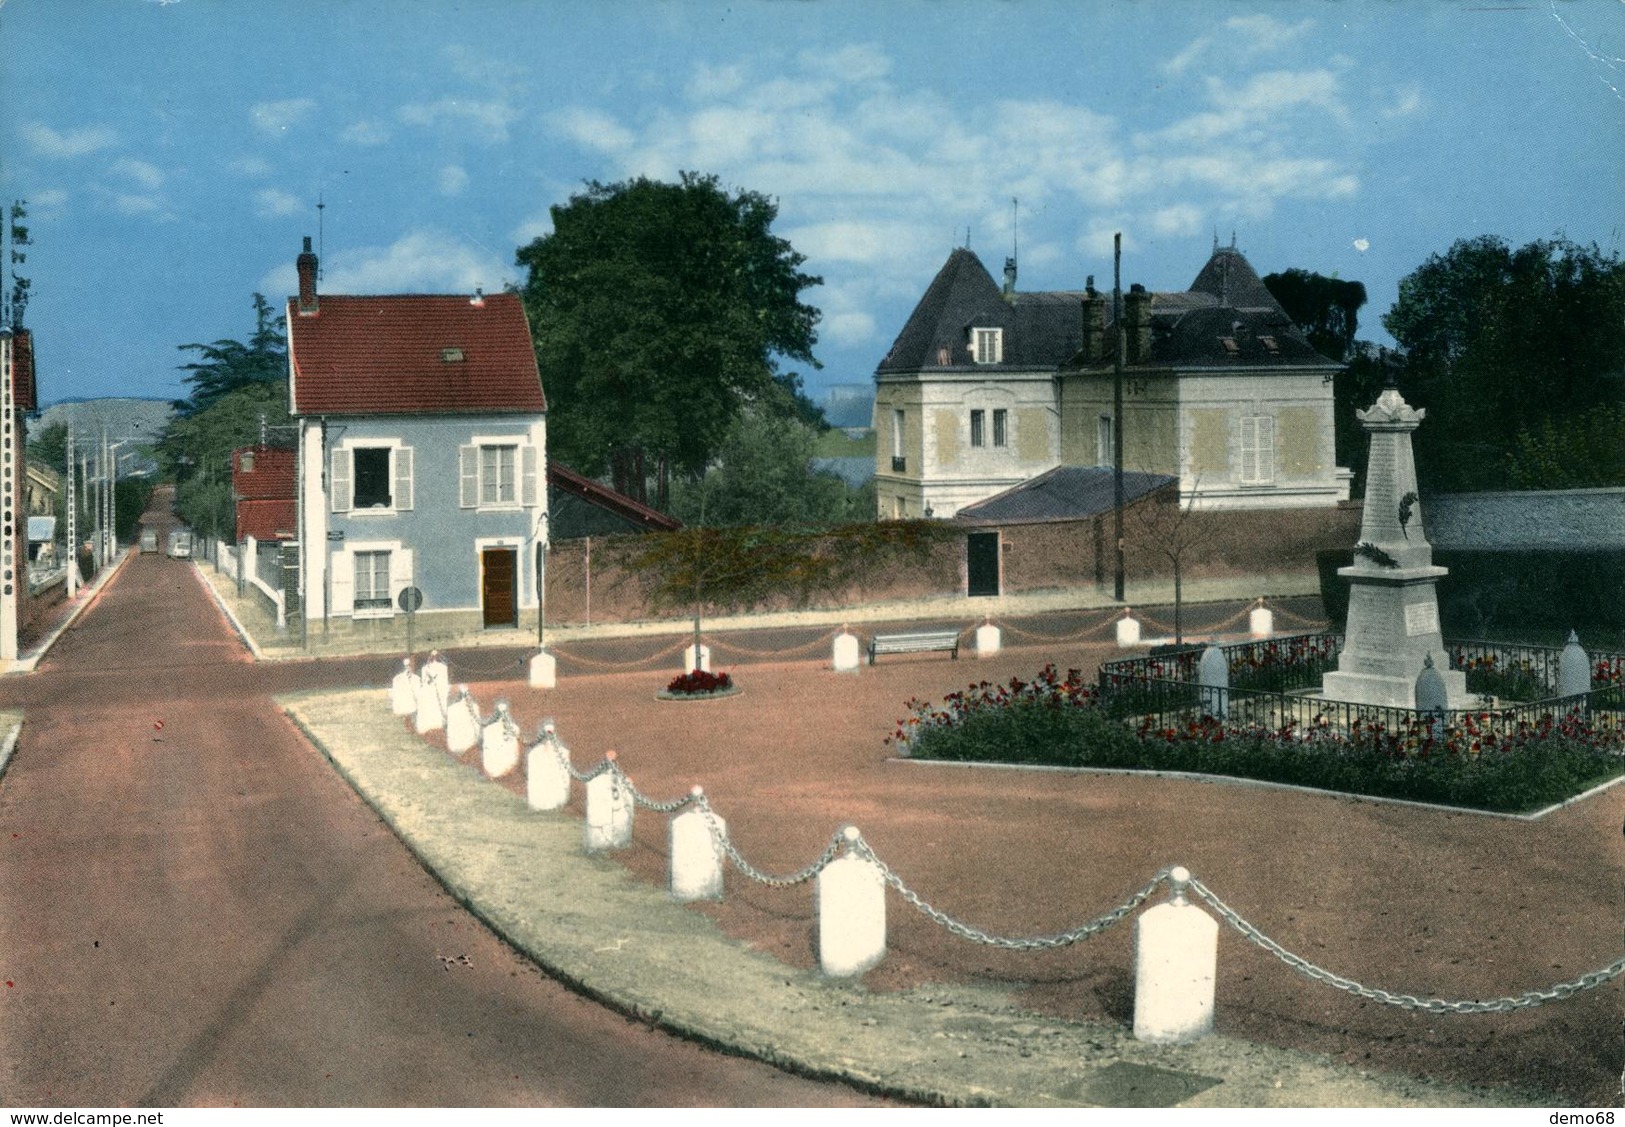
{"x": 1179, "y": 607}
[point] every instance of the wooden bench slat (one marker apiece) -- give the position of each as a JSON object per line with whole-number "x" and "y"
{"x": 914, "y": 643}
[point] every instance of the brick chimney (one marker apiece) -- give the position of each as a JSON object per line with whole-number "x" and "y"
{"x": 1094, "y": 323}
{"x": 1137, "y": 324}
{"x": 306, "y": 262}
{"x": 1009, "y": 279}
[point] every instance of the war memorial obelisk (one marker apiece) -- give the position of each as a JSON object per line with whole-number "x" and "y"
{"x": 1393, "y": 618}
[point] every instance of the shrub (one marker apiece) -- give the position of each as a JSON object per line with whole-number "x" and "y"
{"x": 698, "y": 682}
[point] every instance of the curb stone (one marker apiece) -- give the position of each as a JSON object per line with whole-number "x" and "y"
{"x": 588, "y": 922}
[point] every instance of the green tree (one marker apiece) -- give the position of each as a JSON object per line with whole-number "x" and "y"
{"x": 659, "y": 312}
{"x": 16, "y": 302}
{"x": 1500, "y": 341}
{"x": 1327, "y": 310}
{"x": 197, "y": 448}
{"x": 763, "y": 476}
{"x": 1587, "y": 452}
{"x": 49, "y": 446}
{"x": 228, "y": 365}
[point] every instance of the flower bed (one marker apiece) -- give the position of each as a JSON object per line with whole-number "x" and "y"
{"x": 1060, "y": 721}
{"x": 699, "y": 685}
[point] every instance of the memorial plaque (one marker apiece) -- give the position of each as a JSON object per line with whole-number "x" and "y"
{"x": 1421, "y": 618}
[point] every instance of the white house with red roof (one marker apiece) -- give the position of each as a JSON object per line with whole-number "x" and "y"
{"x": 422, "y": 452}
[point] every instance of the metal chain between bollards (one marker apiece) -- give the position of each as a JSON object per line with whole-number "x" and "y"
{"x": 1406, "y": 1001}
{"x": 645, "y": 801}
{"x": 720, "y": 836}
{"x": 1033, "y": 943}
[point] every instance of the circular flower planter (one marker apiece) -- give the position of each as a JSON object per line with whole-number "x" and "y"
{"x": 730, "y": 691}
{"x": 699, "y": 685}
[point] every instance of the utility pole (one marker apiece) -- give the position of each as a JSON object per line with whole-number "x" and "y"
{"x": 1117, "y": 407}
{"x": 73, "y": 522}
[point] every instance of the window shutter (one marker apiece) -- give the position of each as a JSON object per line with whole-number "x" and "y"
{"x": 403, "y": 477}
{"x": 1266, "y": 449}
{"x": 527, "y": 475}
{"x": 342, "y": 582}
{"x": 338, "y": 481}
{"x": 468, "y": 460}
{"x": 400, "y": 572}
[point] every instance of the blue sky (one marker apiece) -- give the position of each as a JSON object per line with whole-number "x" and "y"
{"x": 173, "y": 151}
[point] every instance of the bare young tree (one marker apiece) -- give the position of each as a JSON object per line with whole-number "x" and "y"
{"x": 1172, "y": 529}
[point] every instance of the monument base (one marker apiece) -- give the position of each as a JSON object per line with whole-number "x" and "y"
{"x": 1389, "y": 691}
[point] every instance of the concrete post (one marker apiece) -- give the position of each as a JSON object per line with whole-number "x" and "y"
{"x": 988, "y": 638}
{"x": 608, "y": 824}
{"x": 403, "y": 690}
{"x": 1261, "y": 621}
{"x": 696, "y": 854}
{"x": 499, "y": 744}
{"x": 462, "y": 723}
{"x": 1213, "y": 674}
{"x": 704, "y": 665}
{"x": 847, "y": 652}
{"x": 1128, "y": 631}
{"x": 543, "y": 671}
{"x": 1176, "y": 957}
{"x": 437, "y": 676}
{"x": 1573, "y": 669}
{"x": 850, "y": 903}
{"x": 547, "y": 776}
{"x": 432, "y": 692}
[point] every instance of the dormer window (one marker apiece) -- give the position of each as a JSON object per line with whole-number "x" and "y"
{"x": 1270, "y": 345}
{"x": 451, "y": 355}
{"x": 1230, "y": 345}
{"x": 987, "y": 346}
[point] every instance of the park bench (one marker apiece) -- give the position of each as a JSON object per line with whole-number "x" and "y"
{"x": 923, "y": 642}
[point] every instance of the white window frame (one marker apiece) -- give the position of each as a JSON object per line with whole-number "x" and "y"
{"x": 897, "y": 432}
{"x": 1104, "y": 433}
{"x": 1258, "y": 450}
{"x": 386, "y": 604}
{"x": 987, "y": 345}
{"x": 471, "y": 470}
{"x": 341, "y": 576}
{"x": 978, "y": 427}
{"x": 341, "y": 477}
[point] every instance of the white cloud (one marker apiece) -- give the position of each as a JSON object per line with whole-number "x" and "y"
{"x": 141, "y": 172}
{"x": 863, "y": 62}
{"x": 130, "y": 203}
{"x": 1177, "y": 219}
{"x": 253, "y": 167}
{"x": 48, "y": 203}
{"x": 68, "y": 143}
{"x": 1407, "y": 102}
{"x": 592, "y": 129}
{"x": 276, "y": 118}
{"x": 423, "y": 261}
{"x": 844, "y": 329}
{"x": 271, "y": 203}
{"x": 1260, "y": 34}
{"x": 1362, "y": 245}
{"x": 714, "y": 82}
{"x": 487, "y": 120}
{"x": 365, "y": 133}
{"x": 1181, "y": 62}
{"x": 452, "y": 180}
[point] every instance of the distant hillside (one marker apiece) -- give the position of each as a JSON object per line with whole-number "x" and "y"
{"x": 139, "y": 421}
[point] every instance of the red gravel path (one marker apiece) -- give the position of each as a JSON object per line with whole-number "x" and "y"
{"x": 1419, "y": 901}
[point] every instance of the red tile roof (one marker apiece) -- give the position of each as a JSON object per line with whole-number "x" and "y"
{"x": 265, "y": 520}
{"x": 413, "y": 354}
{"x": 271, "y": 476}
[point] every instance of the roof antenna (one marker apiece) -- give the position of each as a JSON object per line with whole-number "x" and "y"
{"x": 321, "y": 242}
{"x": 1015, "y": 228}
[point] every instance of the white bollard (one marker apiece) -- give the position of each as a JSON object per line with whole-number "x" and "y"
{"x": 705, "y": 660}
{"x": 1128, "y": 631}
{"x": 403, "y": 690}
{"x": 850, "y": 903}
{"x": 1573, "y": 668}
{"x": 608, "y": 824}
{"x": 696, "y": 854}
{"x": 1261, "y": 622}
{"x": 432, "y": 688}
{"x": 499, "y": 744}
{"x": 462, "y": 723}
{"x": 988, "y": 639}
{"x": 1213, "y": 677}
{"x": 544, "y": 671}
{"x": 1176, "y": 958}
{"x": 847, "y": 652}
{"x": 547, "y": 773}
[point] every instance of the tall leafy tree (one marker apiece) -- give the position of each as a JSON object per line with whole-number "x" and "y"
{"x": 16, "y": 301}
{"x": 763, "y": 475}
{"x": 659, "y": 312}
{"x": 1500, "y": 342}
{"x": 227, "y": 365}
{"x": 1327, "y": 310}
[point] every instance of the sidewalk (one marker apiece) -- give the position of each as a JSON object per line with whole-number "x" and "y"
{"x": 251, "y": 616}
{"x": 41, "y": 639}
{"x": 619, "y": 939}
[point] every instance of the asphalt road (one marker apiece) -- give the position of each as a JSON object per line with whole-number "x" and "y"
{"x": 195, "y": 910}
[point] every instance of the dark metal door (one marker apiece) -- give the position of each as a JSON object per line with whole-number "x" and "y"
{"x": 982, "y": 563}
{"x": 498, "y": 572}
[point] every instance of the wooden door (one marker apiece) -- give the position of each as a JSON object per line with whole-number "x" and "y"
{"x": 982, "y": 563}
{"x": 499, "y": 592}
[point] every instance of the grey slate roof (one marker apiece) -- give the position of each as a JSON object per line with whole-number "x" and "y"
{"x": 1041, "y": 330}
{"x": 1064, "y": 493}
{"x": 1231, "y": 280}
{"x": 1571, "y": 519}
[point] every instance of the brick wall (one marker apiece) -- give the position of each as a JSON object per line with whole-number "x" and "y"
{"x": 1037, "y": 557}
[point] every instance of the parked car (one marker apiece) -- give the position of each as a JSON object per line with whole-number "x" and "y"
{"x": 149, "y": 541}
{"x": 180, "y": 544}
